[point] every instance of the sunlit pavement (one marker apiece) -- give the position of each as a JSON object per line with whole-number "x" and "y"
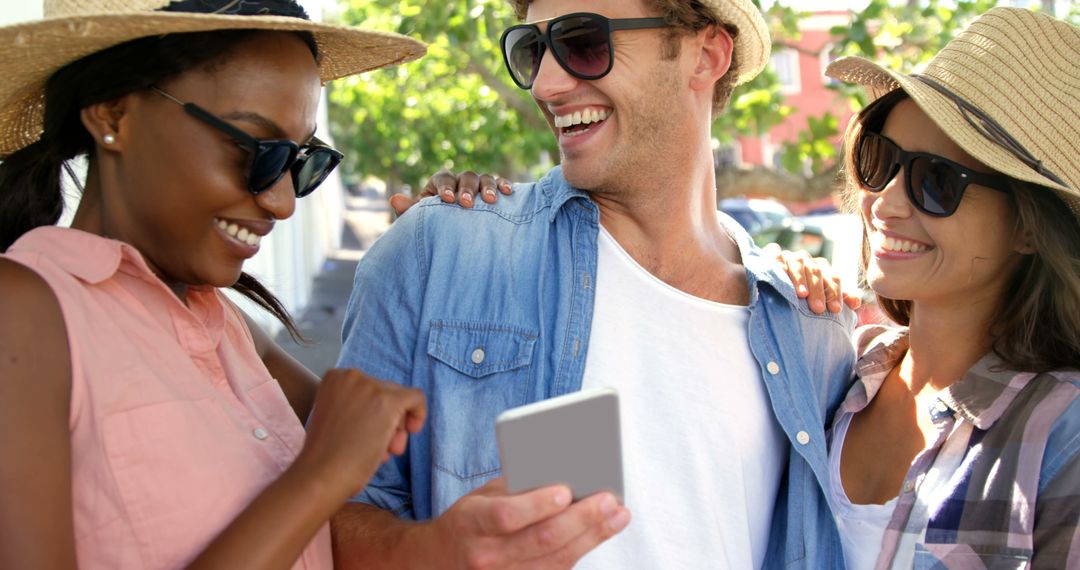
{"x": 366, "y": 218}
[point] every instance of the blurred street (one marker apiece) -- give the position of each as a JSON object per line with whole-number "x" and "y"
{"x": 366, "y": 218}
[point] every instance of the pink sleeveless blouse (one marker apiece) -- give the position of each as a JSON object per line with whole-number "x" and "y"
{"x": 176, "y": 425}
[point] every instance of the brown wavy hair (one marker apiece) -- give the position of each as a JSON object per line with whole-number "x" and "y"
{"x": 686, "y": 17}
{"x": 1036, "y": 326}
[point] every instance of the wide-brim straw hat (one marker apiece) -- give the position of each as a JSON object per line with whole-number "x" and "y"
{"x": 1022, "y": 69}
{"x": 73, "y": 29}
{"x": 752, "y": 42}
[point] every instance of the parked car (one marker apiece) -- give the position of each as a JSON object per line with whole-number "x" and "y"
{"x": 762, "y": 219}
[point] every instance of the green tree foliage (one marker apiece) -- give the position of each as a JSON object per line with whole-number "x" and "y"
{"x": 454, "y": 104}
{"x": 457, "y": 107}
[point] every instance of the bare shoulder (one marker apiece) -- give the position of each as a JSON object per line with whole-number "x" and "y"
{"x": 26, "y": 295}
{"x": 33, "y": 338}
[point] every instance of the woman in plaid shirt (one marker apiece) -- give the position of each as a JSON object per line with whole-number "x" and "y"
{"x": 959, "y": 445}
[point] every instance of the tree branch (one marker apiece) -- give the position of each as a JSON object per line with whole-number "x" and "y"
{"x": 761, "y": 181}
{"x": 510, "y": 96}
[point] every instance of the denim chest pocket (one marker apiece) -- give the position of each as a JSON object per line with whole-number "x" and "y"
{"x": 479, "y": 370}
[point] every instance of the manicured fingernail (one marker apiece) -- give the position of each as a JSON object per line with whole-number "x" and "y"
{"x": 563, "y": 497}
{"x": 803, "y": 291}
{"x": 619, "y": 521}
{"x": 834, "y": 306}
{"x": 465, "y": 198}
{"x": 818, "y": 306}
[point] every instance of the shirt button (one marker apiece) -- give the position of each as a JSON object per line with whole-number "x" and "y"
{"x": 478, "y": 356}
{"x": 773, "y": 368}
{"x": 802, "y": 437}
{"x": 260, "y": 433}
{"x": 909, "y": 486}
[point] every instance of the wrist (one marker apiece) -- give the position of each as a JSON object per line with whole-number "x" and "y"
{"x": 422, "y": 546}
{"x": 316, "y": 484}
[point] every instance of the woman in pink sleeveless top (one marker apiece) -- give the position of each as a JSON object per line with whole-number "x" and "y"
{"x": 144, "y": 421}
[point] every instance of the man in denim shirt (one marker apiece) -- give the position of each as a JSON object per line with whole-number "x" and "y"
{"x": 727, "y": 379}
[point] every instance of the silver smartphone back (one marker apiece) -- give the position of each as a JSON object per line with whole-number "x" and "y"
{"x": 573, "y": 440}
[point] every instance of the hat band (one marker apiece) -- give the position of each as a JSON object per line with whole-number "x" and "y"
{"x": 992, "y": 130}
{"x": 286, "y": 8}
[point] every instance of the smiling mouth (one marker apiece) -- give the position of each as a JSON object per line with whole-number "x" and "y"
{"x": 580, "y": 122}
{"x": 238, "y": 233}
{"x": 898, "y": 245}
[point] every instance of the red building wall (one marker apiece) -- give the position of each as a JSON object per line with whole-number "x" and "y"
{"x": 810, "y": 97}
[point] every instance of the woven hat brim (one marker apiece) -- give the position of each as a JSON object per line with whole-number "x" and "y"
{"x": 753, "y": 43}
{"x": 878, "y": 81}
{"x": 36, "y": 50}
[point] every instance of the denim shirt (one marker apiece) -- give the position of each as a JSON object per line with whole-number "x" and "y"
{"x": 489, "y": 308}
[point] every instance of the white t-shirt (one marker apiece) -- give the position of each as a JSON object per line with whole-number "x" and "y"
{"x": 862, "y": 527}
{"x": 702, "y": 453}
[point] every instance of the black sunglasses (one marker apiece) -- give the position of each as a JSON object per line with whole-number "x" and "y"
{"x": 309, "y": 164}
{"x": 580, "y": 42}
{"x": 934, "y": 184}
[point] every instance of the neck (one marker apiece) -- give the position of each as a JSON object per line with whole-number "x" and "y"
{"x": 92, "y": 217}
{"x": 946, "y": 340}
{"x": 667, "y": 213}
{"x": 666, "y": 220}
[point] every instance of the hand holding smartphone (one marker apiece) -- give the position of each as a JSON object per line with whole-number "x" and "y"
{"x": 573, "y": 440}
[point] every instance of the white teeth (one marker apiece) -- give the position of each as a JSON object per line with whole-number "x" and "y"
{"x": 241, "y": 234}
{"x": 581, "y": 117}
{"x": 901, "y": 245}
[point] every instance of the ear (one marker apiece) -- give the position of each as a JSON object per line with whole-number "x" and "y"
{"x": 714, "y": 57}
{"x": 1024, "y": 243}
{"x": 105, "y": 122}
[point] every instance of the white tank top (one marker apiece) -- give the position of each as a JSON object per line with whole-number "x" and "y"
{"x": 862, "y": 527}
{"x": 702, "y": 453}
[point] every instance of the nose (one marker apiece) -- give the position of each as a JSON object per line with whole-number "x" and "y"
{"x": 280, "y": 199}
{"x": 551, "y": 79}
{"x": 892, "y": 201}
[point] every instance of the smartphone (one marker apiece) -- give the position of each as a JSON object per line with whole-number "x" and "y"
{"x": 574, "y": 440}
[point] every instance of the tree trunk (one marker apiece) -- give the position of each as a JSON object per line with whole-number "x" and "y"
{"x": 760, "y": 181}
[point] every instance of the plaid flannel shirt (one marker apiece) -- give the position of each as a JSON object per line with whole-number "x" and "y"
{"x": 1000, "y": 487}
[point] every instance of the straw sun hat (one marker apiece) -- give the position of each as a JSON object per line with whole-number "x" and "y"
{"x": 752, "y": 43}
{"x": 1019, "y": 68}
{"x": 72, "y": 29}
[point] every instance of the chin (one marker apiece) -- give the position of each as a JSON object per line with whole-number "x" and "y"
{"x": 579, "y": 175}
{"x": 221, "y": 277}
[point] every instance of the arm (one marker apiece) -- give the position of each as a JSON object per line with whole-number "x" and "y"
{"x": 36, "y": 525}
{"x": 298, "y": 383}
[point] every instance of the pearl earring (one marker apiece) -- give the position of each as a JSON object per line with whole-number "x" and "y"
{"x": 109, "y": 138}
